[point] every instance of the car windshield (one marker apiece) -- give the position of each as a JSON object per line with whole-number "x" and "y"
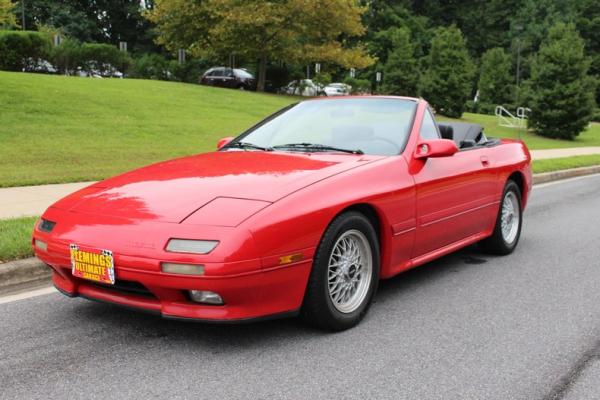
{"x": 377, "y": 126}
{"x": 243, "y": 74}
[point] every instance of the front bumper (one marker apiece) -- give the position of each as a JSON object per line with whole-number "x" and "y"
{"x": 256, "y": 294}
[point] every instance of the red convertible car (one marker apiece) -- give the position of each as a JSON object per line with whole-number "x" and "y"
{"x": 303, "y": 213}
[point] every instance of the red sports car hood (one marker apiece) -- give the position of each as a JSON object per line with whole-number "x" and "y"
{"x": 170, "y": 191}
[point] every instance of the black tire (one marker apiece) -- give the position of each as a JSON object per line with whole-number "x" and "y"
{"x": 497, "y": 244}
{"x": 318, "y": 308}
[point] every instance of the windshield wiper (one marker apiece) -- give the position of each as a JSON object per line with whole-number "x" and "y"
{"x": 318, "y": 147}
{"x": 247, "y": 145}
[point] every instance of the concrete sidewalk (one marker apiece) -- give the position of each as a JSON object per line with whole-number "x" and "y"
{"x": 33, "y": 200}
{"x": 560, "y": 153}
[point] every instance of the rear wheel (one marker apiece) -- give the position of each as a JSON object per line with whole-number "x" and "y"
{"x": 508, "y": 223}
{"x": 345, "y": 274}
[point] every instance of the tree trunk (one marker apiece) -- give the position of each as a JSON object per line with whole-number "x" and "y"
{"x": 262, "y": 73}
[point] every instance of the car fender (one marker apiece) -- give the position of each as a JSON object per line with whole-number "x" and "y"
{"x": 296, "y": 223}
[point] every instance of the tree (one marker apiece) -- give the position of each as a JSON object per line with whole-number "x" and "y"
{"x": 102, "y": 57}
{"x": 7, "y": 18}
{"x": 484, "y": 23}
{"x": 58, "y": 14}
{"x": 562, "y": 92}
{"x": 384, "y": 17}
{"x": 105, "y": 21}
{"x": 285, "y": 30}
{"x": 495, "y": 80}
{"x": 588, "y": 25}
{"x": 446, "y": 83}
{"x": 401, "y": 71}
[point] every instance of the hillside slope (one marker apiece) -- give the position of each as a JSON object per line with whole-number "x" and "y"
{"x": 65, "y": 129}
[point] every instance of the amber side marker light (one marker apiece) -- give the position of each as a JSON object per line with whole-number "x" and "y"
{"x": 292, "y": 258}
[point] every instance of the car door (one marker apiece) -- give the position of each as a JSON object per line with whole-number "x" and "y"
{"x": 455, "y": 196}
{"x": 217, "y": 78}
{"x": 229, "y": 78}
{"x": 208, "y": 78}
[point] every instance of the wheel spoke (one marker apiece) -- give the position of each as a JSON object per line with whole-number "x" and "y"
{"x": 349, "y": 271}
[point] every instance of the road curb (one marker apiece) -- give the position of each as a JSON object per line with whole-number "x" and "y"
{"x": 22, "y": 272}
{"x": 30, "y": 270}
{"x": 565, "y": 174}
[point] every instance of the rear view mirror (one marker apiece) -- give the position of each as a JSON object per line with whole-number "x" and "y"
{"x": 436, "y": 148}
{"x": 223, "y": 142}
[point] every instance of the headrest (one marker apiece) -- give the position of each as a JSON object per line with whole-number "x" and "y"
{"x": 446, "y": 131}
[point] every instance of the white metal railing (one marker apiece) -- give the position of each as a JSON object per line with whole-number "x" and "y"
{"x": 507, "y": 119}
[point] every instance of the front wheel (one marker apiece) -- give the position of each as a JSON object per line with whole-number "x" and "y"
{"x": 507, "y": 230}
{"x": 345, "y": 274}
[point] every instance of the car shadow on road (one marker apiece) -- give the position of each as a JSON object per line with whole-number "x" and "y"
{"x": 136, "y": 328}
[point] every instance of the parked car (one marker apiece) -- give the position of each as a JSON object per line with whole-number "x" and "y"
{"x": 234, "y": 78}
{"x": 41, "y": 66}
{"x": 303, "y": 213}
{"x": 109, "y": 72}
{"x": 337, "y": 89}
{"x": 303, "y": 87}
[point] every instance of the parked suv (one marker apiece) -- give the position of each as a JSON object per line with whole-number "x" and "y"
{"x": 234, "y": 78}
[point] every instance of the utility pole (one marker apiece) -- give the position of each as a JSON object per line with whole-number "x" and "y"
{"x": 518, "y": 28}
{"x": 23, "y": 14}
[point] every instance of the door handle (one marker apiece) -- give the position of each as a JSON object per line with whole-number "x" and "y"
{"x": 485, "y": 161}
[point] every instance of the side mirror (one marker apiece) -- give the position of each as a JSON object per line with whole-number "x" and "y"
{"x": 436, "y": 148}
{"x": 223, "y": 142}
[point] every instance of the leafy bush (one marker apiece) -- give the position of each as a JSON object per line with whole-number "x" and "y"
{"x": 359, "y": 86}
{"x": 562, "y": 93}
{"x": 20, "y": 50}
{"x": 67, "y": 56}
{"x": 190, "y": 71}
{"x": 322, "y": 78}
{"x": 150, "y": 66}
{"x": 102, "y": 57}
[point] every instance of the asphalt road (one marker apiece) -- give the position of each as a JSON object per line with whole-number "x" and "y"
{"x": 468, "y": 326}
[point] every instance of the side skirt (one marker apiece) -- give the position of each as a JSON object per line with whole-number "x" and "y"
{"x": 425, "y": 258}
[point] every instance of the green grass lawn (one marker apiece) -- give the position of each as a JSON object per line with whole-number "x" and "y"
{"x": 556, "y": 164}
{"x": 65, "y": 129}
{"x": 590, "y": 137}
{"x": 57, "y": 129}
{"x": 15, "y": 238}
